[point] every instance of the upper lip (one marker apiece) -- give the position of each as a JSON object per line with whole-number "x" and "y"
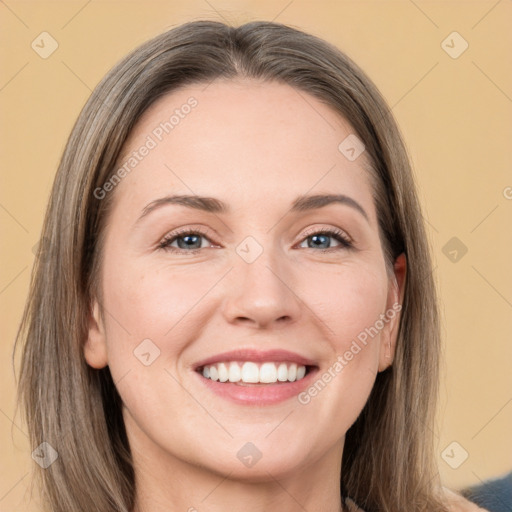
{"x": 276, "y": 355}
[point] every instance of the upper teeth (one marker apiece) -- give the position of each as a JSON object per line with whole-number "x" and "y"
{"x": 253, "y": 372}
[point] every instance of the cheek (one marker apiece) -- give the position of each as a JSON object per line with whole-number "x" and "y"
{"x": 152, "y": 316}
{"x": 153, "y": 302}
{"x": 350, "y": 302}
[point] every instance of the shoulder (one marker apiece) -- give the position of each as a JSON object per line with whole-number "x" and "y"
{"x": 456, "y": 503}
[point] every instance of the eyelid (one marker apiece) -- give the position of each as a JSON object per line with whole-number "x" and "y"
{"x": 346, "y": 240}
{"x": 200, "y": 230}
{"x": 328, "y": 229}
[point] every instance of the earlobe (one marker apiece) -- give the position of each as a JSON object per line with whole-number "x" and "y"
{"x": 95, "y": 346}
{"x": 389, "y": 333}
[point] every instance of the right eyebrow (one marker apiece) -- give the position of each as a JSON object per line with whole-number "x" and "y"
{"x": 207, "y": 204}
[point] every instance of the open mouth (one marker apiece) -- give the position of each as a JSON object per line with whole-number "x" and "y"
{"x": 250, "y": 373}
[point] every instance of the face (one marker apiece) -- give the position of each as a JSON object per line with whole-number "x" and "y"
{"x": 257, "y": 283}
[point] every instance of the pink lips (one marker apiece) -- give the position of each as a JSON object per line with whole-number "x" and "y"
{"x": 256, "y": 356}
{"x": 258, "y": 394}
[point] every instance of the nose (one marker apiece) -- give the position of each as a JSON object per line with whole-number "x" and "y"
{"x": 261, "y": 294}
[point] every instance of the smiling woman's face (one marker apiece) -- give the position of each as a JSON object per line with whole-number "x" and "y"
{"x": 249, "y": 283}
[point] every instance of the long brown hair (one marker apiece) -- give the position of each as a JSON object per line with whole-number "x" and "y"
{"x": 388, "y": 459}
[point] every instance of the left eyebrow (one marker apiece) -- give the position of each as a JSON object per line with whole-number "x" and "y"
{"x": 213, "y": 205}
{"x": 304, "y": 203}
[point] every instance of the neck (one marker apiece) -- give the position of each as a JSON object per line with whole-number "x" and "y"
{"x": 174, "y": 484}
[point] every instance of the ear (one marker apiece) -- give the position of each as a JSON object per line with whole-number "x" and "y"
{"x": 391, "y": 319}
{"x": 95, "y": 347}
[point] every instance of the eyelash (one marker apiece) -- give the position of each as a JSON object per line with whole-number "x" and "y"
{"x": 340, "y": 236}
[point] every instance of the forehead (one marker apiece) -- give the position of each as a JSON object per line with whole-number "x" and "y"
{"x": 242, "y": 140}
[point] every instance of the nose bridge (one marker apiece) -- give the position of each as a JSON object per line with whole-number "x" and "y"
{"x": 260, "y": 289}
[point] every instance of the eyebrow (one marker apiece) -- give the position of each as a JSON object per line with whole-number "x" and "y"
{"x": 213, "y": 205}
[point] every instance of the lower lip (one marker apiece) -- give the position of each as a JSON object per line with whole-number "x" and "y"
{"x": 258, "y": 394}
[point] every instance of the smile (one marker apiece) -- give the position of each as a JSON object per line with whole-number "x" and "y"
{"x": 247, "y": 376}
{"x": 250, "y": 372}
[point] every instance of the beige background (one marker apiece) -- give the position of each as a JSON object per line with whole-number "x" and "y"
{"x": 455, "y": 114}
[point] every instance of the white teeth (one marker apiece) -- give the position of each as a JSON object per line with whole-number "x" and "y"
{"x": 214, "y": 374}
{"x": 292, "y": 372}
{"x": 282, "y": 373}
{"x": 223, "y": 372}
{"x": 235, "y": 374}
{"x": 254, "y": 373}
{"x": 250, "y": 373}
{"x": 268, "y": 373}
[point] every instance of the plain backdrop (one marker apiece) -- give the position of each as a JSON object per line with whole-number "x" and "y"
{"x": 452, "y": 102}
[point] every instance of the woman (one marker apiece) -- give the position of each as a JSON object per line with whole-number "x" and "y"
{"x": 233, "y": 305}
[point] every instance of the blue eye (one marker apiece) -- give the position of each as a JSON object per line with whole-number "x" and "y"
{"x": 187, "y": 240}
{"x": 191, "y": 241}
{"x": 321, "y": 240}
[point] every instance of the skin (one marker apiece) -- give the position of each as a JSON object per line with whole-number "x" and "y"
{"x": 457, "y": 503}
{"x": 257, "y": 147}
